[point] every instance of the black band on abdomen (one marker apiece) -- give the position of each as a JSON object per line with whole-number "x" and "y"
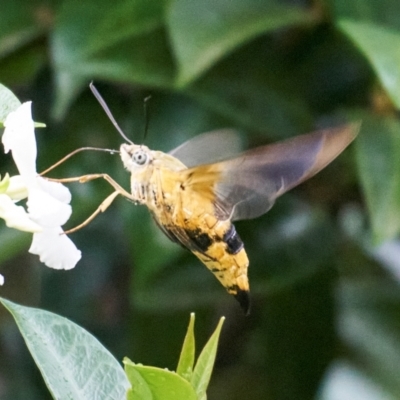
{"x": 233, "y": 241}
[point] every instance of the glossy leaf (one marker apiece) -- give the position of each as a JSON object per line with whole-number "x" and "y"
{"x": 73, "y": 363}
{"x": 378, "y": 155}
{"x": 186, "y": 359}
{"x": 381, "y": 45}
{"x": 124, "y": 42}
{"x": 203, "y": 32}
{"x": 151, "y": 383}
{"x": 8, "y": 102}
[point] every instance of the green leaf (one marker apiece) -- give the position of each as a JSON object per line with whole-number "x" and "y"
{"x": 203, "y": 32}
{"x": 73, "y": 363}
{"x": 21, "y": 23}
{"x": 205, "y": 363}
{"x": 68, "y": 85}
{"x": 186, "y": 359}
{"x": 151, "y": 383}
{"x": 383, "y": 12}
{"x": 242, "y": 89}
{"x": 140, "y": 389}
{"x": 125, "y": 41}
{"x": 378, "y": 155}
{"x": 8, "y": 102}
{"x": 381, "y": 46}
{"x": 368, "y": 326}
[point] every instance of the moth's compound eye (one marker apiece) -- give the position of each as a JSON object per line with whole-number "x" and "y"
{"x": 140, "y": 157}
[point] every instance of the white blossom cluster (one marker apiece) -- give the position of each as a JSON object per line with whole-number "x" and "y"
{"x": 47, "y": 205}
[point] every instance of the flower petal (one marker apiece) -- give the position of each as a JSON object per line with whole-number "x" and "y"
{"x": 1, "y": 280}
{"x": 16, "y": 216}
{"x": 47, "y": 210}
{"x": 17, "y": 189}
{"x": 4, "y": 183}
{"x": 19, "y": 137}
{"x": 55, "y": 249}
{"x": 55, "y": 189}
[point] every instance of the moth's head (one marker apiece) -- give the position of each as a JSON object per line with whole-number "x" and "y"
{"x": 136, "y": 157}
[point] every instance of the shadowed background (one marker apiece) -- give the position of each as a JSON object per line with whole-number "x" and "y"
{"x": 324, "y": 262}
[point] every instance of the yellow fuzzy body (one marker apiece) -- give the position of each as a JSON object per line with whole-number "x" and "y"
{"x": 196, "y": 206}
{"x": 188, "y": 217}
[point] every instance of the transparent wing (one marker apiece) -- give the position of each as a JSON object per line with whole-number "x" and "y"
{"x": 247, "y": 186}
{"x": 208, "y": 147}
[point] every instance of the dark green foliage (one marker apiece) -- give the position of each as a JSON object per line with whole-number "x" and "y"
{"x": 271, "y": 69}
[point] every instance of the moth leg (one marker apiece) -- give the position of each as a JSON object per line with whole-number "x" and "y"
{"x": 91, "y": 177}
{"x": 119, "y": 190}
{"x": 102, "y": 207}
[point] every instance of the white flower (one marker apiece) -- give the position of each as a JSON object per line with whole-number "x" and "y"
{"x": 48, "y": 202}
{"x": 15, "y": 216}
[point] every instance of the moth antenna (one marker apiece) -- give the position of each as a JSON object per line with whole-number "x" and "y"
{"x": 73, "y": 153}
{"x": 108, "y": 112}
{"x": 146, "y": 116}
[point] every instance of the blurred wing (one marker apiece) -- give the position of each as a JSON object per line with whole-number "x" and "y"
{"x": 208, "y": 147}
{"x": 246, "y": 187}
